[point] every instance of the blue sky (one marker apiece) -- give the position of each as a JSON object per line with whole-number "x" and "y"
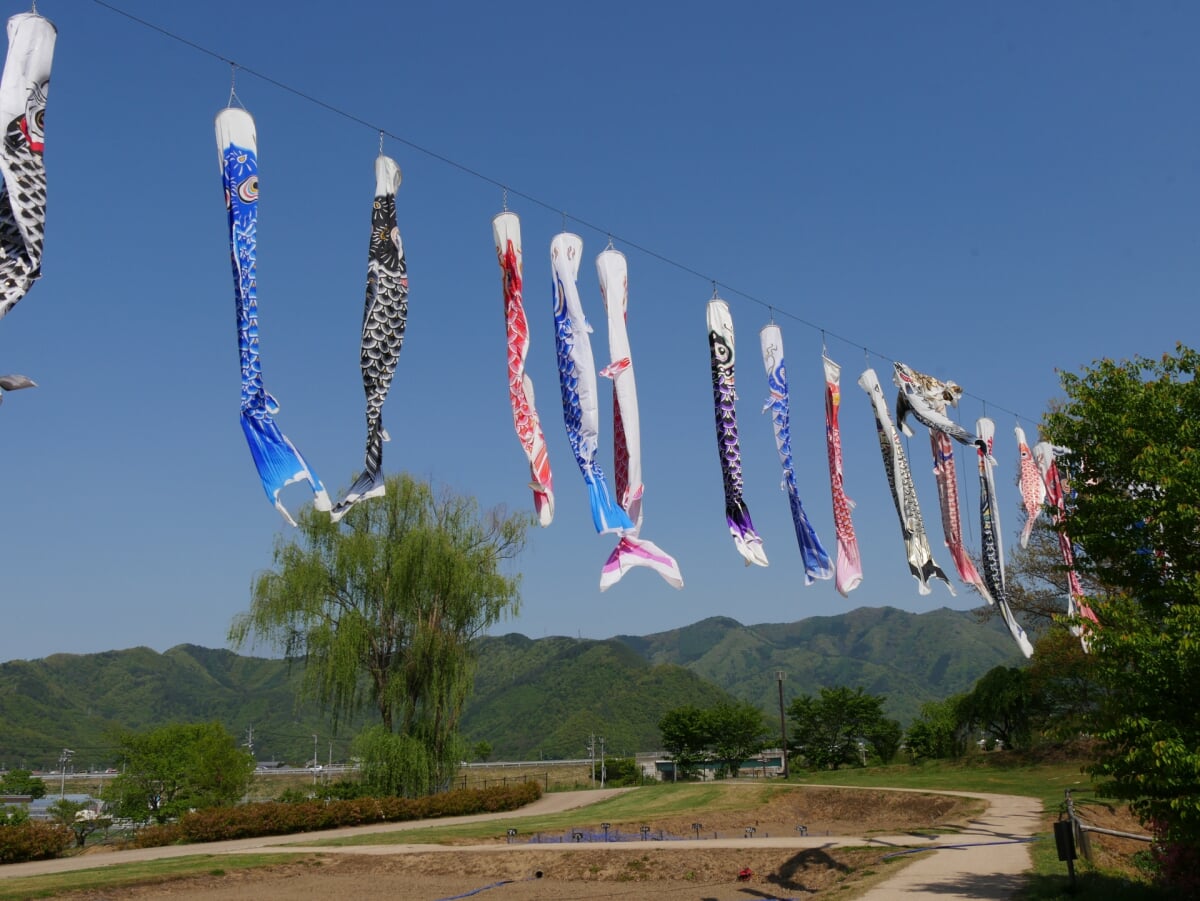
{"x": 986, "y": 192}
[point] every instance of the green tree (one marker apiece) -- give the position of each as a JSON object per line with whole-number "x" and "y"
{"x": 685, "y": 736}
{"x": 621, "y": 771}
{"x": 1001, "y": 703}
{"x": 177, "y": 767}
{"x": 1062, "y": 686}
{"x": 827, "y": 728}
{"x": 79, "y": 818}
{"x": 937, "y": 733}
{"x": 22, "y": 782}
{"x": 736, "y": 730}
{"x": 482, "y": 750}
{"x": 383, "y": 607}
{"x": 1134, "y": 429}
{"x": 885, "y": 738}
{"x": 13, "y": 815}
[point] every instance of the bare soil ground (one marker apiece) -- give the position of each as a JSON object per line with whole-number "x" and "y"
{"x": 632, "y": 869}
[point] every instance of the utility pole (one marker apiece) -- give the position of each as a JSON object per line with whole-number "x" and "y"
{"x": 779, "y": 674}
{"x": 250, "y": 739}
{"x": 603, "y": 765}
{"x": 591, "y": 745}
{"x": 314, "y": 758}
{"x": 67, "y": 754}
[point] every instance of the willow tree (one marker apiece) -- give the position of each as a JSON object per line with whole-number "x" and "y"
{"x": 382, "y": 608}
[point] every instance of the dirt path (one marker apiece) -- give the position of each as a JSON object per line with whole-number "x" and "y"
{"x": 984, "y": 861}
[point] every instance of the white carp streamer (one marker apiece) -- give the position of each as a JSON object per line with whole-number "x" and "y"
{"x": 631, "y": 550}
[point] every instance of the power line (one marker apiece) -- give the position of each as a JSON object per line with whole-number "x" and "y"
{"x": 773, "y": 309}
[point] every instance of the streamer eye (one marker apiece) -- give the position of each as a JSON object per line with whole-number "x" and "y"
{"x": 248, "y": 190}
{"x": 721, "y": 351}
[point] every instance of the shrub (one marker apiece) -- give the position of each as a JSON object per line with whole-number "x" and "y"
{"x": 33, "y": 841}
{"x": 158, "y": 835}
{"x": 274, "y": 818}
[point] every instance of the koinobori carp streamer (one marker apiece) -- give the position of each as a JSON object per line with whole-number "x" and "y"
{"x": 991, "y": 541}
{"x": 904, "y": 494}
{"x": 1031, "y": 483}
{"x": 1044, "y": 455}
{"x": 23, "y": 90}
{"x": 279, "y": 462}
{"x": 506, "y": 229}
{"x": 632, "y": 550}
{"x": 577, "y": 378}
{"x": 817, "y": 564}
{"x": 848, "y": 572}
{"x": 926, "y": 398}
{"x": 721, "y": 352}
{"x": 385, "y": 316}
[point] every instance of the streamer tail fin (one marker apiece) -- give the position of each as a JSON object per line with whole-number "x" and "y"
{"x": 631, "y": 552}
{"x": 279, "y": 463}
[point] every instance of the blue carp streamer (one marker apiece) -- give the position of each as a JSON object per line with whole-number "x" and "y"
{"x": 577, "y": 377}
{"x": 279, "y": 462}
{"x": 817, "y": 564}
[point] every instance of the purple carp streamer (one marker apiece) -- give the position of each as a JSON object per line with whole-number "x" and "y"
{"x": 848, "y": 573}
{"x": 1033, "y": 487}
{"x": 23, "y": 90}
{"x": 1044, "y": 455}
{"x": 385, "y": 315}
{"x": 990, "y": 536}
{"x": 904, "y": 494}
{"x": 926, "y": 398}
{"x": 737, "y": 514}
{"x": 279, "y": 462}
{"x": 506, "y": 229}
{"x": 632, "y": 550}
{"x": 817, "y": 564}
{"x": 577, "y": 377}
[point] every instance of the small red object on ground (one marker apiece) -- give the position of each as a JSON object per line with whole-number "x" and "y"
{"x": 745, "y": 874}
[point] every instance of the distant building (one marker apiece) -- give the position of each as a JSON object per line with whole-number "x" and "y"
{"x": 40, "y": 809}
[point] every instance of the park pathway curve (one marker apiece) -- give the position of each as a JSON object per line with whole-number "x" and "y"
{"x": 985, "y": 861}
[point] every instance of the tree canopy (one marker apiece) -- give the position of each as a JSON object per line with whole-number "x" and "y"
{"x": 178, "y": 767}
{"x": 1133, "y": 428}
{"x": 827, "y": 728}
{"x": 382, "y": 608}
{"x": 22, "y": 782}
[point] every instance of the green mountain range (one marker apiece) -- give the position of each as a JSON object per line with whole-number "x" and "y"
{"x": 533, "y": 697}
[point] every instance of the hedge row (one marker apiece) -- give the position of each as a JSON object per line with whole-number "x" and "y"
{"x": 32, "y": 840}
{"x": 275, "y": 818}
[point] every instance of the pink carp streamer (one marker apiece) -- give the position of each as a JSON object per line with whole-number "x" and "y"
{"x": 848, "y": 571}
{"x": 631, "y": 550}
{"x": 1044, "y": 455}
{"x": 996, "y": 591}
{"x": 506, "y": 229}
{"x": 1032, "y": 485}
{"x": 904, "y": 493}
{"x": 947, "y": 484}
